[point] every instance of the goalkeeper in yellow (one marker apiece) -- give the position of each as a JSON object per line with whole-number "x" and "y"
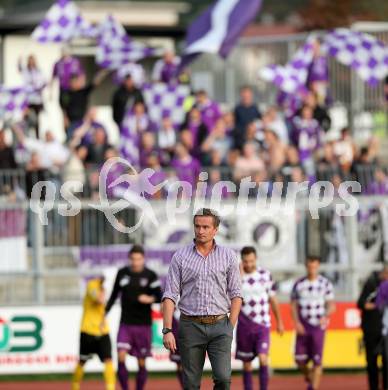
{"x": 95, "y": 339}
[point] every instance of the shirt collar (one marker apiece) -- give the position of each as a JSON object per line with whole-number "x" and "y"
{"x": 213, "y": 248}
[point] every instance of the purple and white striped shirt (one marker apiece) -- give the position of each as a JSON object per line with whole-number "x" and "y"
{"x": 203, "y": 285}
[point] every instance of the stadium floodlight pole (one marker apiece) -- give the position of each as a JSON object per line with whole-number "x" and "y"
{"x": 38, "y": 254}
{"x": 351, "y": 224}
{"x": 230, "y": 82}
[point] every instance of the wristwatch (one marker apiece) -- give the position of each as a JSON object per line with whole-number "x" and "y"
{"x": 166, "y": 330}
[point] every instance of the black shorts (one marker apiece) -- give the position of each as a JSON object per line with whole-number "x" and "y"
{"x": 63, "y": 98}
{"x": 95, "y": 345}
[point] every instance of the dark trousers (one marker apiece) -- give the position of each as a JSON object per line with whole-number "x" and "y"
{"x": 384, "y": 347}
{"x": 194, "y": 341}
{"x": 35, "y": 109}
{"x": 373, "y": 348}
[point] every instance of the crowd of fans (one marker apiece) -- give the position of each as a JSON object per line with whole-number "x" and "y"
{"x": 290, "y": 142}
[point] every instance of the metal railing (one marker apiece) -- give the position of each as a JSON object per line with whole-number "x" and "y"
{"x": 52, "y": 272}
{"x": 18, "y": 184}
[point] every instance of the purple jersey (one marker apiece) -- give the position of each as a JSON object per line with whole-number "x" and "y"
{"x": 137, "y": 124}
{"x": 113, "y": 174}
{"x": 382, "y": 295}
{"x": 382, "y": 304}
{"x": 213, "y": 189}
{"x": 306, "y": 136}
{"x": 87, "y": 139}
{"x": 290, "y": 103}
{"x": 319, "y": 70}
{"x": 194, "y": 130}
{"x": 158, "y": 177}
{"x": 65, "y": 68}
{"x": 144, "y": 155}
{"x": 165, "y": 72}
{"x": 210, "y": 113}
{"x": 311, "y": 297}
{"x": 187, "y": 170}
{"x": 377, "y": 188}
{"x": 257, "y": 288}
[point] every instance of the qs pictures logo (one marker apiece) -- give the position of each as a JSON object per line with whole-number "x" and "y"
{"x": 20, "y": 334}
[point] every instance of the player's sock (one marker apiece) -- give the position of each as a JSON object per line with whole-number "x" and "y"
{"x": 123, "y": 376}
{"x": 141, "y": 378}
{"x": 77, "y": 377}
{"x": 247, "y": 379}
{"x": 109, "y": 376}
{"x": 263, "y": 377}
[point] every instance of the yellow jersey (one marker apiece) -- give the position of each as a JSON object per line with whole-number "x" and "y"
{"x": 93, "y": 318}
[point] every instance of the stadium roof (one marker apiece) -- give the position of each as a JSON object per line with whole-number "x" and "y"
{"x": 138, "y": 17}
{"x": 261, "y": 30}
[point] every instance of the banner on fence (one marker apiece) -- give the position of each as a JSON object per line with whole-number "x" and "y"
{"x": 46, "y": 340}
{"x": 13, "y": 240}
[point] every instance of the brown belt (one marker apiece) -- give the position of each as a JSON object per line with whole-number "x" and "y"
{"x": 204, "y": 320}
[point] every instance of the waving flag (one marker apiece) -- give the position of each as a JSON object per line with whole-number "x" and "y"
{"x": 166, "y": 100}
{"x": 130, "y": 140}
{"x": 131, "y": 131}
{"x": 292, "y": 77}
{"x": 161, "y": 100}
{"x": 218, "y": 28}
{"x": 62, "y": 23}
{"x": 116, "y": 49}
{"x": 362, "y": 52}
{"x": 13, "y": 101}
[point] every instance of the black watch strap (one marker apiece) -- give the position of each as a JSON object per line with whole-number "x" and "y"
{"x": 166, "y": 330}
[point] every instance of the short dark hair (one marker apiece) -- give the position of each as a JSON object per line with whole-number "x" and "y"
{"x": 205, "y": 212}
{"x": 246, "y": 86}
{"x": 364, "y": 150}
{"x": 136, "y": 249}
{"x": 311, "y": 258}
{"x": 247, "y": 250}
{"x": 201, "y": 92}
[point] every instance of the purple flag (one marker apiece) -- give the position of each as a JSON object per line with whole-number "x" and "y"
{"x": 130, "y": 139}
{"x": 166, "y": 100}
{"x": 130, "y": 136}
{"x": 362, "y": 52}
{"x": 13, "y": 101}
{"x": 115, "y": 48}
{"x": 62, "y": 23}
{"x": 319, "y": 70}
{"x": 161, "y": 100}
{"x": 292, "y": 77}
{"x": 218, "y": 28}
{"x": 307, "y": 136}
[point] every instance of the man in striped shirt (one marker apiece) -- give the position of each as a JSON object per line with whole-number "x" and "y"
{"x": 205, "y": 277}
